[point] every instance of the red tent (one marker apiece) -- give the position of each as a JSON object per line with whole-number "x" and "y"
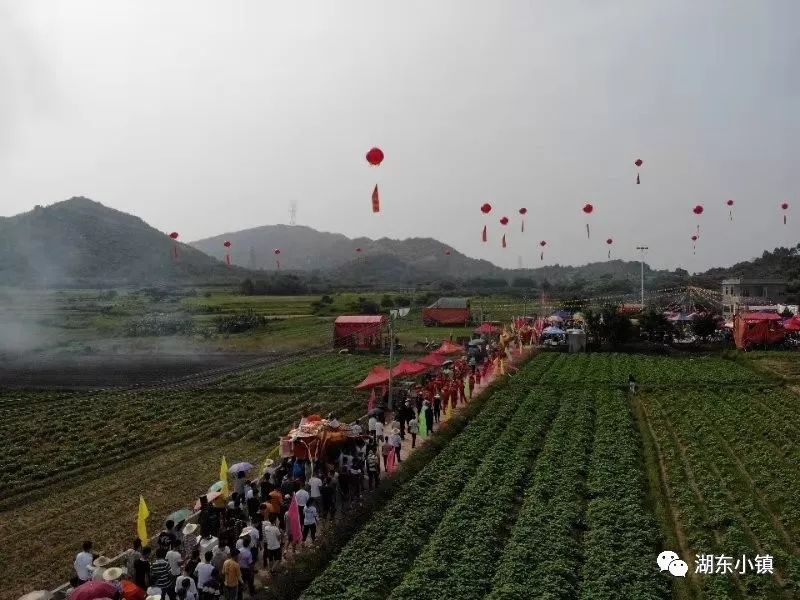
{"x": 433, "y": 360}
{"x": 792, "y": 324}
{"x": 488, "y": 329}
{"x": 407, "y": 368}
{"x": 448, "y": 347}
{"x": 760, "y": 316}
{"x": 750, "y": 329}
{"x": 358, "y": 331}
{"x": 379, "y": 375}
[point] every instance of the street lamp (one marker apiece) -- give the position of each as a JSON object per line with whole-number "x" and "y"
{"x": 642, "y": 249}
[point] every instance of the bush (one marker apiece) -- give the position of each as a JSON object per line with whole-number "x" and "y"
{"x": 240, "y": 322}
{"x": 159, "y": 324}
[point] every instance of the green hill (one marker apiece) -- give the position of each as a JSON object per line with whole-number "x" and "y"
{"x": 79, "y": 242}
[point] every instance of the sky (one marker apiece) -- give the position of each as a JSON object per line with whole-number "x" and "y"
{"x": 210, "y": 117}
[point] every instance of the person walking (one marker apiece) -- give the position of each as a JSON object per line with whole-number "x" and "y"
{"x": 231, "y": 576}
{"x": 413, "y": 429}
{"x": 161, "y": 577}
{"x": 385, "y": 449}
{"x": 437, "y": 408}
{"x": 83, "y": 562}
{"x": 428, "y": 414}
{"x": 328, "y": 492}
{"x": 244, "y": 557}
{"x": 373, "y": 469}
{"x": 273, "y": 540}
{"x": 632, "y": 383}
{"x": 397, "y": 442}
{"x": 310, "y": 520}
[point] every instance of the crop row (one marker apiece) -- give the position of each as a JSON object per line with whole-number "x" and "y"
{"x": 377, "y": 557}
{"x": 614, "y": 369}
{"x": 82, "y": 431}
{"x": 622, "y": 537}
{"x": 698, "y": 502}
{"x": 325, "y": 370}
{"x": 543, "y": 556}
{"x": 741, "y": 520}
{"x": 460, "y": 565}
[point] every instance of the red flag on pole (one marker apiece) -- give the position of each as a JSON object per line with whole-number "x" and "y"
{"x": 376, "y": 200}
{"x": 504, "y": 240}
{"x": 483, "y": 236}
{"x": 293, "y": 516}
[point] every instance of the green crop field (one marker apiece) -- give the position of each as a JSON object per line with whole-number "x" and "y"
{"x": 564, "y": 486}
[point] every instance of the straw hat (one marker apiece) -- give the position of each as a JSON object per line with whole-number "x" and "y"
{"x": 189, "y": 528}
{"x": 113, "y": 574}
{"x": 246, "y": 531}
{"x": 268, "y": 463}
{"x": 37, "y": 595}
{"x": 101, "y": 561}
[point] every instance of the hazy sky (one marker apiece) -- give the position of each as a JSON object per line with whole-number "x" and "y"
{"x": 208, "y": 117}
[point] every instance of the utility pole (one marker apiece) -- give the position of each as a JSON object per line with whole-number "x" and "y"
{"x": 642, "y": 249}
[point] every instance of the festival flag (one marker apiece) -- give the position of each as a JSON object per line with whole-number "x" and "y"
{"x": 391, "y": 461}
{"x": 423, "y": 427}
{"x": 293, "y": 514}
{"x": 376, "y": 200}
{"x": 223, "y": 477}
{"x": 141, "y": 521}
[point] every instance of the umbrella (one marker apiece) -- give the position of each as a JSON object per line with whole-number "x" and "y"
{"x": 242, "y": 466}
{"x": 792, "y": 324}
{"x": 92, "y": 590}
{"x": 553, "y": 331}
{"x": 210, "y": 496}
{"x": 554, "y": 319}
{"x": 217, "y": 487}
{"x": 179, "y": 515}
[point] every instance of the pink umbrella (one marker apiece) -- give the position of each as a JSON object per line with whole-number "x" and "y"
{"x": 93, "y": 590}
{"x": 210, "y": 496}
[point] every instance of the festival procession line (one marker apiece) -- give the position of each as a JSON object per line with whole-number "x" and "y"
{"x": 290, "y": 550}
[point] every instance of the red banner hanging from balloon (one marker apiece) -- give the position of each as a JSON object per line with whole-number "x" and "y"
{"x": 376, "y": 200}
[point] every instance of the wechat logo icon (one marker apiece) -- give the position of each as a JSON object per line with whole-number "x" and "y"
{"x": 669, "y": 561}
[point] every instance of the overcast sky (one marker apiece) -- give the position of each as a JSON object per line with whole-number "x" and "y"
{"x": 209, "y": 117}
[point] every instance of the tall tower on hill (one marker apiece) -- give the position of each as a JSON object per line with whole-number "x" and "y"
{"x": 293, "y": 212}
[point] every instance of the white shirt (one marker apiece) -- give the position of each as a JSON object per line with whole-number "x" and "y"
{"x": 315, "y": 483}
{"x": 395, "y": 440}
{"x": 310, "y": 516}
{"x": 174, "y": 559}
{"x": 191, "y": 593}
{"x": 379, "y": 429}
{"x": 302, "y": 497}
{"x": 272, "y": 536}
{"x": 203, "y": 572}
{"x": 372, "y": 423}
{"x": 248, "y": 494}
{"x": 82, "y": 563}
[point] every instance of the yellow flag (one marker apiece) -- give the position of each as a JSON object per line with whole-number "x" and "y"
{"x": 223, "y": 477}
{"x": 141, "y": 521}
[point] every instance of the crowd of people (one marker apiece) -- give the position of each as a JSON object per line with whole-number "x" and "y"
{"x": 264, "y": 518}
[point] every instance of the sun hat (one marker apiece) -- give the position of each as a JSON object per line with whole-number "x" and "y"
{"x": 113, "y": 574}
{"x": 101, "y": 561}
{"x": 189, "y": 528}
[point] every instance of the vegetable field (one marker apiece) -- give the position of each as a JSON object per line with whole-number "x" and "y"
{"x": 565, "y": 486}
{"x": 324, "y": 370}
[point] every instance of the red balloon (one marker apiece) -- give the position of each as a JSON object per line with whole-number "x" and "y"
{"x": 694, "y": 238}
{"x": 227, "y": 244}
{"x": 174, "y": 235}
{"x": 504, "y": 221}
{"x": 609, "y": 241}
{"x": 785, "y": 206}
{"x": 486, "y": 208}
{"x": 729, "y": 203}
{"x": 588, "y": 208}
{"x": 375, "y": 156}
{"x": 543, "y": 243}
{"x": 638, "y": 162}
{"x": 698, "y": 210}
{"x": 277, "y": 251}
{"x": 523, "y": 211}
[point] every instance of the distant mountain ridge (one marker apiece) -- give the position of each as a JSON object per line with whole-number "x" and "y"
{"x": 80, "y": 242}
